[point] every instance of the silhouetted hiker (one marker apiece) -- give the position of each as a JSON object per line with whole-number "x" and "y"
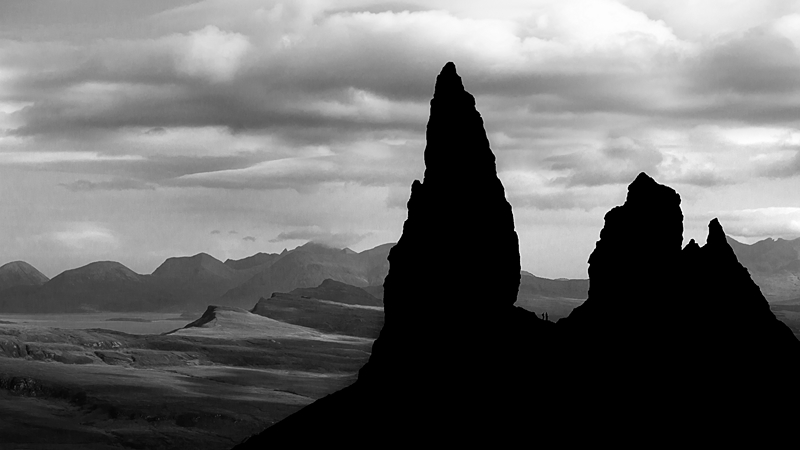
{"x": 547, "y": 317}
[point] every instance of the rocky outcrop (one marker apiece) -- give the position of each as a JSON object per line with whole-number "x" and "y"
{"x": 686, "y": 326}
{"x": 659, "y": 346}
{"x": 731, "y": 320}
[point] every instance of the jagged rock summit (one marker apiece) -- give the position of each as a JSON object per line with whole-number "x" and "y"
{"x": 687, "y": 326}
{"x": 659, "y": 347}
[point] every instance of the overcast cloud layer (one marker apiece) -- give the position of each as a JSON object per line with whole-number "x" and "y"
{"x": 136, "y": 131}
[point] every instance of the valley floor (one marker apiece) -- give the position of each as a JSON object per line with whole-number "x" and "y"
{"x": 97, "y": 389}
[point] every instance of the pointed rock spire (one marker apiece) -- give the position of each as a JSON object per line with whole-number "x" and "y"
{"x": 448, "y": 297}
{"x": 716, "y": 236}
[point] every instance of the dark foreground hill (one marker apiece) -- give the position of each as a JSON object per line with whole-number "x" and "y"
{"x": 645, "y": 356}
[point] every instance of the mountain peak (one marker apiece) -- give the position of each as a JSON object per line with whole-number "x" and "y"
{"x": 197, "y": 266}
{"x": 716, "y": 235}
{"x": 644, "y": 189}
{"x": 448, "y": 80}
{"x": 101, "y": 271}
{"x": 20, "y": 273}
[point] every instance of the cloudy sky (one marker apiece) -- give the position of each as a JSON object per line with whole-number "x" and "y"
{"x": 135, "y": 131}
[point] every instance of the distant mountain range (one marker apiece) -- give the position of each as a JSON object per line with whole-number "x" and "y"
{"x": 20, "y": 273}
{"x": 308, "y": 266}
{"x": 192, "y": 283}
{"x": 188, "y": 283}
{"x": 774, "y": 265}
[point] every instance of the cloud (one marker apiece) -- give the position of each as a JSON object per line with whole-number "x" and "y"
{"x": 249, "y": 238}
{"x": 213, "y": 53}
{"x": 306, "y": 173}
{"x": 525, "y": 189}
{"x": 761, "y": 222}
{"x": 233, "y": 232}
{"x": 618, "y": 161}
{"x": 216, "y": 231}
{"x": 119, "y": 184}
{"x": 34, "y": 158}
{"x": 783, "y": 167}
{"x": 397, "y": 197}
{"x": 321, "y": 236}
{"x": 548, "y": 201}
{"x": 759, "y": 61}
{"x": 702, "y": 178}
{"x": 85, "y": 236}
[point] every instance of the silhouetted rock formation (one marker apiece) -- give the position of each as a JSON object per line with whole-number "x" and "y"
{"x": 448, "y": 326}
{"x": 659, "y": 346}
{"x": 731, "y": 321}
{"x": 686, "y": 326}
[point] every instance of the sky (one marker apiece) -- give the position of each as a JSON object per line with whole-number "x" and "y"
{"x": 137, "y": 131}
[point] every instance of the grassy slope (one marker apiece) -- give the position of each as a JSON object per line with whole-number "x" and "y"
{"x": 105, "y": 389}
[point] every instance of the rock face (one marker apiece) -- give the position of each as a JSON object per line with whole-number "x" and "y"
{"x": 659, "y": 346}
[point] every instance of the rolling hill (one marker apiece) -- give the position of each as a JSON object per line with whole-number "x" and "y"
{"x": 20, "y": 273}
{"x": 102, "y": 285}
